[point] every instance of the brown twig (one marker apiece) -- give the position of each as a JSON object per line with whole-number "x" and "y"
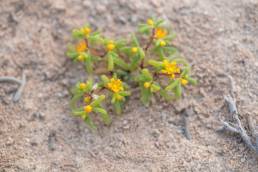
{"x": 148, "y": 46}
{"x": 150, "y": 40}
{"x": 94, "y": 51}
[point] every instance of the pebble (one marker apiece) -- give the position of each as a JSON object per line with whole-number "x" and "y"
{"x": 126, "y": 124}
{"x": 243, "y": 159}
{"x": 121, "y": 19}
{"x": 33, "y": 143}
{"x": 51, "y": 140}
{"x": 86, "y": 3}
{"x": 155, "y": 133}
{"x": 100, "y": 9}
{"x": 62, "y": 94}
{"x": 59, "y": 5}
{"x": 9, "y": 141}
{"x": 157, "y": 145}
{"x": 38, "y": 115}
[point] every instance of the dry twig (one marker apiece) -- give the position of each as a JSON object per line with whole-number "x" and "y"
{"x": 238, "y": 127}
{"x": 22, "y": 83}
{"x": 186, "y": 115}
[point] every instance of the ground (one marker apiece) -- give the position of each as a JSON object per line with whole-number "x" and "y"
{"x": 39, "y": 133}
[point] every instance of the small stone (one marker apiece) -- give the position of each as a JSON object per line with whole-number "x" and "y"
{"x": 59, "y": 5}
{"x": 121, "y": 19}
{"x": 62, "y": 94}
{"x": 86, "y": 3}
{"x": 126, "y": 124}
{"x": 157, "y": 145}
{"x": 9, "y": 141}
{"x": 163, "y": 116}
{"x": 155, "y": 133}
{"x": 33, "y": 143}
{"x": 100, "y": 9}
{"x": 181, "y": 105}
{"x": 243, "y": 159}
{"x": 51, "y": 140}
{"x": 38, "y": 115}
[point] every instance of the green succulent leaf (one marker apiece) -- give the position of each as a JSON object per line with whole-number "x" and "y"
{"x": 154, "y": 88}
{"x": 90, "y": 123}
{"x": 172, "y": 85}
{"x": 77, "y": 34}
{"x": 110, "y": 62}
{"x": 145, "y": 29}
{"x": 89, "y": 64}
{"x": 72, "y": 54}
{"x": 121, "y": 63}
{"x": 97, "y": 101}
{"x": 104, "y": 115}
{"x": 145, "y": 96}
{"x": 104, "y": 79}
{"x": 118, "y": 107}
{"x": 191, "y": 80}
{"x": 178, "y": 90}
{"x": 135, "y": 41}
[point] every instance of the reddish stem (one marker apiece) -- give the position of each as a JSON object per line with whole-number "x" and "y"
{"x": 148, "y": 46}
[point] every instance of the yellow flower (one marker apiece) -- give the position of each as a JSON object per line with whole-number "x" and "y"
{"x": 81, "y": 58}
{"x": 115, "y": 85}
{"x": 88, "y": 108}
{"x": 150, "y": 22}
{"x": 86, "y": 31}
{"x": 134, "y": 49}
{"x": 160, "y": 33}
{"x": 183, "y": 81}
{"x": 118, "y": 97}
{"x": 110, "y": 46}
{"x": 87, "y": 99}
{"x": 162, "y": 43}
{"x": 81, "y": 46}
{"x": 172, "y": 76}
{"x": 82, "y": 86}
{"x": 147, "y": 84}
{"x": 170, "y": 68}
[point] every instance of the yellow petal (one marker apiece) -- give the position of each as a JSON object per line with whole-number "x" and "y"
{"x": 88, "y": 108}
{"x": 147, "y": 84}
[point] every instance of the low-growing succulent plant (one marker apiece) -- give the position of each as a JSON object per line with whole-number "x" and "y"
{"x": 152, "y": 64}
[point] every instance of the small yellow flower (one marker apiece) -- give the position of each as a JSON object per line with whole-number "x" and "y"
{"x": 170, "y": 68}
{"x": 160, "y": 33}
{"x": 162, "y": 43}
{"x": 150, "y": 22}
{"x": 118, "y": 97}
{"x": 110, "y": 46}
{"x": 87, "y": 99}
{"x": 86, "y": 31}
{"x": 134, "y": 49}
{"x": 81, "y": 58}
{"x": 183, "y": 81}
{"x": 88, "y": 108}
{"x": 81, "y": 46}
{"x": 147, "y": 84}
{"x": 172, "y": 76}
{"x": 82, "y": 86}
{"x": 115, "y": 85}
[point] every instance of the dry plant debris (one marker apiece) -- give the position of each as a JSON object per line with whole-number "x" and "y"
{"x": 21, "y": 84}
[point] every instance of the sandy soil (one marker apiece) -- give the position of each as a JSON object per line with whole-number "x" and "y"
{"x": 40, "y": 134}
